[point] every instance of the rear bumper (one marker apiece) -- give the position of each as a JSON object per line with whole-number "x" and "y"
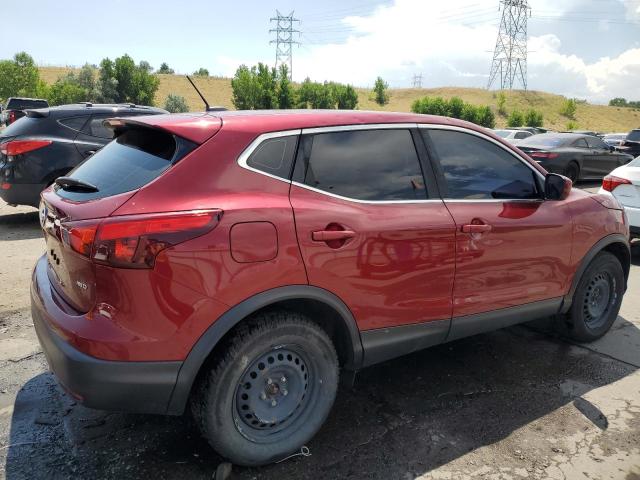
{"x": 22, "y": 193}
{"x": 141, "y": 387}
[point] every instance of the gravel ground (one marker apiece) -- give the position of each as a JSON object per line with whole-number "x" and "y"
{"x": 505, "y": 405}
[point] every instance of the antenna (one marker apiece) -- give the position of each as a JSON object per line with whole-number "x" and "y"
{"x": 510, "y": 54}
{"x": 206, "y": 104}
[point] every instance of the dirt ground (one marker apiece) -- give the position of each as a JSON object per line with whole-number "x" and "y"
{"x": 511, "y": 404}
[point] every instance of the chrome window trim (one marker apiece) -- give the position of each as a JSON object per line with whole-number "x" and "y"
{"x": 244, "y": 156}
{"x": 368, "y": 126}
{"x": 427, "y": 126}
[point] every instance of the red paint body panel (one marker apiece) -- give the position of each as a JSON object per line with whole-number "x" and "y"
{"x": 397, "y": 270}
{"x": 525, "y": 257}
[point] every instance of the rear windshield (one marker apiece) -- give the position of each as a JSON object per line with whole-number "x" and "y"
{"x": 635, "y": 162}
{"x": 22, "y": 104}
{"x": 132, "y": 160}
{"x": 544, "y": 141}
{"x": 23, "y": 126}
{"x": 634, "y": 136}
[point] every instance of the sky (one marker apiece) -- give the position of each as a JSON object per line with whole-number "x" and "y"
{"x": 589, "y": 49}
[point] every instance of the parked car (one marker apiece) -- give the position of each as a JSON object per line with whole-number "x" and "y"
{"x": 532, "y": 130}
{"x": 512, "y": 136}
{"x": 614, "y": 139}
{"x": 624, "y": 184}
{"x": 16, "y": 106}
{"x": 576, "y": 156}
{"x": 591, "y": 133}
{"x": 48, "y": 143}
{"x": 631, "y": 144}
{"x": 232, "y": 263}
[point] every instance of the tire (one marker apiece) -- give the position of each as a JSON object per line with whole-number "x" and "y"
{"x": 572, "y": 171}
{"x": 269, "y": 391}
{"x": 597, "y": 299}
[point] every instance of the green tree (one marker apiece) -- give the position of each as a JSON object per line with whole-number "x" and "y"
{"x": 67, "y": 90}
{"x": 515, "y": 119}
{"x": 19, "y": 77}
{"x": 485, "y": 117}
{"x": 380, "y": 93}
{"x": 164, "y": 68}
{"x": 201, "y": 72}
{"x": 245, "y": 90}
{"x": 346, "y": 97}
{"x": 175, "y": 104}
{"x": 266, "y": 80}
{"x": 533, "y": 118}
{"x": 285, "y": 93}
{"x": 568, "y": 108}
{"x": 107, "y": 84}
{"x": 502, "y": 104}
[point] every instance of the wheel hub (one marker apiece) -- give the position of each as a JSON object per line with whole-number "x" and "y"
{"x": 599, "y": 294}
{"x": 271, "y": 391}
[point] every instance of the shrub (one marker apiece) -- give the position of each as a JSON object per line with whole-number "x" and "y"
{"x": 345, "y": 96}
{"x": 470, "y": 113}
{"x": 175, "y": 104}
{"x": 201, "y": 72}
{"x": 502, "y": 102}
{"x": 533, "y": 118}
{"x": 455, "y": 107}
{"x": 568, "y": 108}
{"x": 67, "y": 89}
{"x": 515, "y": 119}
{"x": 380, "y": 93}
{"x": 571, "y": 125}
{"x": 485, "y": 117}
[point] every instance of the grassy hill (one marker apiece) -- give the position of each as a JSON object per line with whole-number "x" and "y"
{"x": 589, "y": 117}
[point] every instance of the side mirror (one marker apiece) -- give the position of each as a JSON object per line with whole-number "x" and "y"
{"x": 556, "y": 187}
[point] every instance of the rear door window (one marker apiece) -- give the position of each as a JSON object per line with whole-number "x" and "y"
{"x": 580, "y": 143}
{"x": 74, "y": 123}
{"x": 372, "y": 165}
{"x": 133, "y": 159}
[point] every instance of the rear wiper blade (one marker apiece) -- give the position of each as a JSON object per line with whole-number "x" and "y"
{"x": 70, "y": 183}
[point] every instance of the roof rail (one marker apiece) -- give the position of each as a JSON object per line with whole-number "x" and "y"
{"x": 86, "y": 104}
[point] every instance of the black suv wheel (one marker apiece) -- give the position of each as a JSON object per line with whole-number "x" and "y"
{"x": 270, "y": 391}
{"x": 597, "y": 299}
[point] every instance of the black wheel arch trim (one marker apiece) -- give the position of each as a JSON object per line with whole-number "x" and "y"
{"x": 210, "y": 338}
{"x": 601, "y": 245}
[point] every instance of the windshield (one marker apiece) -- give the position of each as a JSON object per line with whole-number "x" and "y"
{"x": 634, "y": 136}
{"x": 132, "y": 160}
{"x": 502, "y": 133}
{"x": 544, "y": 141}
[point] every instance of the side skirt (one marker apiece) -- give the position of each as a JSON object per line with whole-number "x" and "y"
{"x": 384, "y": 344}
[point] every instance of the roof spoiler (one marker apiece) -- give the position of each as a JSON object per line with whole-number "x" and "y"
{"x": 37, "y": 113}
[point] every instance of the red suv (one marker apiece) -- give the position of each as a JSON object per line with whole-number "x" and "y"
{"x": 236, "y": 262}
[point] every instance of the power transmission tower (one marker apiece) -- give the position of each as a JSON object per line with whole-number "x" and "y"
{"x": 417, "y": 80}
{"x": 510, "y": 55}
{"x": 284, "y": 39}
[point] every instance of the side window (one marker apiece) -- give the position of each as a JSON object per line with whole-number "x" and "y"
{"x": 74, "y": 123}
{"x": 274, "y": 156}
{"x": 580, "y": 143}
{"x": 595, "y": 142}
{"x": 373, "y": 165}
{"x": 95, "y": 128}
{"x": 475, "y": 168}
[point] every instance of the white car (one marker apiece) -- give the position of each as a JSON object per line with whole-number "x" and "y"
{"x": 512, "y": 136}
{"x": 624, "y": 184}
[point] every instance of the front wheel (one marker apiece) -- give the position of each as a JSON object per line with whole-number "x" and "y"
{"x": 270, "y": 391}
{"x": 597, "y": 299}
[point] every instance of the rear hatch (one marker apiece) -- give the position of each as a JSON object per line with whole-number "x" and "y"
{"x": 73, "y": 208}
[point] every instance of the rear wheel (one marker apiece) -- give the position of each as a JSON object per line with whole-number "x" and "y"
{"x": 572, "y": 171}
{"x": 597, "y": 299}
{"x": 270, "y": 391}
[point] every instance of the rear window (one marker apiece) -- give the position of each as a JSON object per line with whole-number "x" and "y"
{"x": 22, "y": 104}
{"x": 543, "y": 141}
{"x": 133, "y": 159}
{"x": 634, "y": 136}
{"x": 635, "y": 162}
{"x": 502, "y": 133}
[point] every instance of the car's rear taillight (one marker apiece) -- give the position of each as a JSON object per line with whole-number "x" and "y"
{"x": 543, "y": 155}
{"x": 18, "y": 147}
{"x": 134, "y": 241}
{"x": 610, "y": 182}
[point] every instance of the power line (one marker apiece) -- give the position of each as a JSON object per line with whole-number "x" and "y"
{"x": 284, "y": 39}
{"x": 510, "y": 53}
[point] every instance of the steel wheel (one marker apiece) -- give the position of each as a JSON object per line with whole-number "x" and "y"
{"x": 599, "y": 298}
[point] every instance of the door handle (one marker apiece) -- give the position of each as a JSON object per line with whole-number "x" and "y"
{"x": 329, "y": 235}
{"x": 476, "y": 228}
